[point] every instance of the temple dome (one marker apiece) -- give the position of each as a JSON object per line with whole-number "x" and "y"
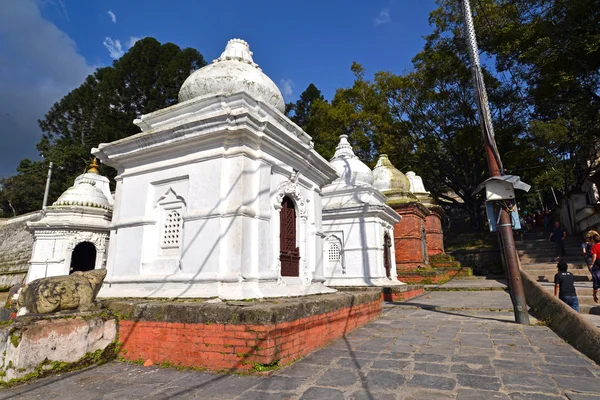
{"x": 387, "y": 177}
{"x": 233, "y": 72}
{"x": 351, "y": 170}
{"x": 83, "y": 193}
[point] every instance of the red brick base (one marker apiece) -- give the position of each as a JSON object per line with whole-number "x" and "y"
{"x": 403, "y": 296}
{"x": 238, "y": 346}
{"x": 424, "y": 279}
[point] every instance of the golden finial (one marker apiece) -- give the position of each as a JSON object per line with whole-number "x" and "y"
{"x": 93, "y": 167}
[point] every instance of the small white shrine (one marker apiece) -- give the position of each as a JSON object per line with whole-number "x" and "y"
{"x": 219, "y": 195}
{"x": 73, "y": 233}
{"x": 358, "y": 226}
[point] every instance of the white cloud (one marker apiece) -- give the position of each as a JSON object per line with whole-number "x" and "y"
{"x": 39, "y": 65}
{"x": 113, "y": 17}
{"x": 382, "y": 18}
{"x": 286, "y": 87}
{"x": 132, "y": 40}
{"x": 114, "y": 47}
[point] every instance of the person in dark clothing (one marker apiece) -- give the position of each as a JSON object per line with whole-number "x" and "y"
{"x": 558, "y": 236}
{"x": 564, "y": 286}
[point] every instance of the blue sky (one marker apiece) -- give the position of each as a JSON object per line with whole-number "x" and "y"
{"x": 47, "y": 47}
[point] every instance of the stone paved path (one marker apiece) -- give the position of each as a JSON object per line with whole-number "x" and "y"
{"x": 408, "y": 353}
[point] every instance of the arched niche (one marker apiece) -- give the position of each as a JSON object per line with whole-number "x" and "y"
{"x": 83, "y": 257}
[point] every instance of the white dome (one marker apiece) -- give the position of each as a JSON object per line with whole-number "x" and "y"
{"x": 83, "y": 193}
{"x": 351, "y": 170}
{"x": 233, "y": 72}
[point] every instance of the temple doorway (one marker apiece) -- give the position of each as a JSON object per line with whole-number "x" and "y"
{"x": 83, "y": 257}
{"x": 387, "y": 263}
{"x": 289, "y": 253}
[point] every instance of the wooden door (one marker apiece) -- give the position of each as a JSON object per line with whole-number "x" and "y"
{"x": 290, "y": 254}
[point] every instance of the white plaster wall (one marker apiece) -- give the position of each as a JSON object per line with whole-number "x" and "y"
{"x": 358, "y": 216}
{"x": 228, "y": 234}
{"x": 230, "y": 164}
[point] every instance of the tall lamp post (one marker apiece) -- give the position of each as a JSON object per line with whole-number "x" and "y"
{"x": 47, "y": 187}
{"x": 496, "y": 169}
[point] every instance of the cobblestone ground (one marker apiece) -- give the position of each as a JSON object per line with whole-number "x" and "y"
{"x": 408, "y": 353}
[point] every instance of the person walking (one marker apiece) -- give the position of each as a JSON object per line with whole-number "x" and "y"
{"x": 558, "y": 236}
{"x": 564, "y": 286}
{"x": 587, "y": 248}
{"x": 595, "y": 268}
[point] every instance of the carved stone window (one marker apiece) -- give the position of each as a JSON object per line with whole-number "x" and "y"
{"x": 334, "y": 251}
{"x": 333, "y": 255}
{"x": 171, "y": 229}
{"x": 171, "y": 208}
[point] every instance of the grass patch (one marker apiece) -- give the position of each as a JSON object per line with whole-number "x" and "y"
{"x": 470, "y": 241}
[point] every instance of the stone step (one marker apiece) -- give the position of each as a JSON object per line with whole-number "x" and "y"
{"x": 575, "y": 272}
{"x": 589, "y": 309}
{"x": 551, "y": 266}
{"x": 531, "y": 244}
{"x": 543, "y": 276}
{"x": 545, "y": 257}
{"x": 586, "y": 291}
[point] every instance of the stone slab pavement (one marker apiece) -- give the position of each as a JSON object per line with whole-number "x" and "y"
{"x": 408, "y": 353}
{"x": 475, "y": 283}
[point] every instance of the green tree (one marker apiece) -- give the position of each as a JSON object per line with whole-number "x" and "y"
{"x": 362, "y": 112}
{"x": 436, "y": 103}
{"x": 550, "y": 53}
{"x": 101, "y": 110}
{"x": 300, "y": 111}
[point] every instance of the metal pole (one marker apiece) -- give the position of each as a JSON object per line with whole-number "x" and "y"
{"x": 541, "y": 202}
{"x": 496, "y": 169}
{"x": 47, "y": 186}
{"x": 554, "y": 194}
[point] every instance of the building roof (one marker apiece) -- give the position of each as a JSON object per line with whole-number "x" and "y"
{"x": 388, "y": 177}
{"x": 234, "y": 71}
{"x": 350, "y": 169}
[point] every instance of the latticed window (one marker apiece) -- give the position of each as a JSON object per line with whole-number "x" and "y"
{"x": 334, "y": 252}
{"x": 171, "y": 229}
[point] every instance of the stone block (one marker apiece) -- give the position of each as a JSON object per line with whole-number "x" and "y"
{"x": 33, "y": 345}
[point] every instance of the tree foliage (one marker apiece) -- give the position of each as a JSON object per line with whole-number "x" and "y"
{"x": 101, "y": 110}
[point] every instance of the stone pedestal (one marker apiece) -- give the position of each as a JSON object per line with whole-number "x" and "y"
{"x": 410, "y": 238}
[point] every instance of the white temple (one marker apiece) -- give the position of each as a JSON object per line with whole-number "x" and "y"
{"x": 72, "y": 235}
{"x": 219, "y": 195}
{"x": 358, "y": 226}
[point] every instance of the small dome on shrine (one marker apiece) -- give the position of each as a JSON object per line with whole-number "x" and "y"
{"x": 233, "y": 72}
{"x": 83, "y": 193}
{"x": 387, "y": 177}
{"x": 351, "y": 170}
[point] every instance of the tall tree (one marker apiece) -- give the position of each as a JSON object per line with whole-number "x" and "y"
{"x": 550, "y": 52}
{"x": 102, "y": 109}
{"x": 436, "y": 103}
{"x": 360, "y": 111}
{"x": 299, "y": 111}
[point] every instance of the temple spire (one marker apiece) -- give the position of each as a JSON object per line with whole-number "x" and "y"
{"x": 93, "y": 169}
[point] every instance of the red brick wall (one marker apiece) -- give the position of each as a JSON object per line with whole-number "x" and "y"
{"x": 408, "y": 238}
{"x": 435, "y": 235}
{"x": 403, "y": 296}
{"x": 238, "y": 347}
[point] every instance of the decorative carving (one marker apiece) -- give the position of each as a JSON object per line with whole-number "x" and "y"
{"x": 171, "y": 229}
{"x": 97, "y": 239}
{"x": 292, "y": 189}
